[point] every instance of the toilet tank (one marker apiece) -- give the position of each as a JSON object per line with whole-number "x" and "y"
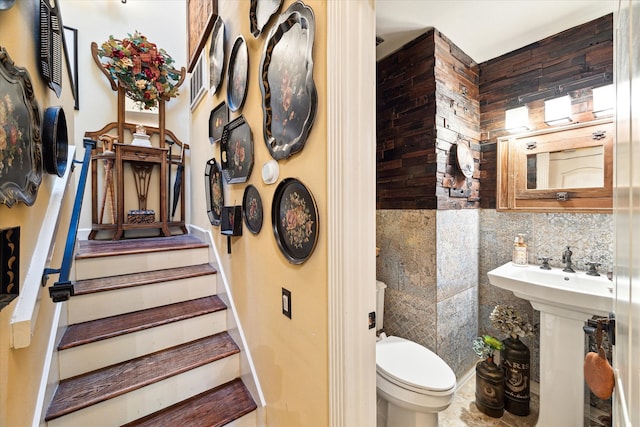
{"x": 380, "y": 286}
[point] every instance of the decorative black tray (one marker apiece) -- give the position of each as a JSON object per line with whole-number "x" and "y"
{"x": 236, "y": 151}
{"x": 215, "y": 193}
{"x": 260, "y": 13}
{"x": 21, "y": 158}
{"x": 218, "y": 118}
{"x": 289, "y": 97}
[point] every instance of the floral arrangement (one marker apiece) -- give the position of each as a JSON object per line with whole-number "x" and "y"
{"x": 297, "y": 220}
{"x": 485, "y": 345}
{"x": 144, "y": 71}
{"x": 506, "y": 318}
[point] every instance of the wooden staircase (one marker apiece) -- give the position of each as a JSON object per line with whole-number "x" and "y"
{"x": 147, "y": 343}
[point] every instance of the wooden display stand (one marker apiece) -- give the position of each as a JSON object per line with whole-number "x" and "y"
{"x": 142, "y": 159}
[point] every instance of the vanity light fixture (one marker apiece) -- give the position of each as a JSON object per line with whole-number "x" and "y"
{"x": 517, "y": 119}
{"x": 557, "y": 111}
{"x": 603, "y": 101}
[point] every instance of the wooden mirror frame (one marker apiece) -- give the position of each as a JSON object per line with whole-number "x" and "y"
{"x": 513, "y": 194}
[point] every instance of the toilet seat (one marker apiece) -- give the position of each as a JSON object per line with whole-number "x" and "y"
{"x": 414, "y": 367}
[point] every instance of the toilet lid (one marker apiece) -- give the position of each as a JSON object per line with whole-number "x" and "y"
{"x": 412, "y": 364}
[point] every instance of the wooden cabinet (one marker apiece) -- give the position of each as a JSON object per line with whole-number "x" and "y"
{"x": 142, "y": 161}
{"x": 129, "y": 168}
{"x": 565, "y": 169}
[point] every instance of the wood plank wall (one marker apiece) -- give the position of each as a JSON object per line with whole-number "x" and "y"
{"x": 577, "y": 58}
{"x": 427, "y": 101}
{"x": 431, "y": 95}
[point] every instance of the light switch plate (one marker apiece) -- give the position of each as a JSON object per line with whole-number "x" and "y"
{"x": 286, "y": 302}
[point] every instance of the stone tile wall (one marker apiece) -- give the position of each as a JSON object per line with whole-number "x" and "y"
{"x": 429, "y": 262}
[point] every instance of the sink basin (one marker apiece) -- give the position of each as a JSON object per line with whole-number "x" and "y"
{"x": 577, "y": 292}
{"x": 565, "y": 302}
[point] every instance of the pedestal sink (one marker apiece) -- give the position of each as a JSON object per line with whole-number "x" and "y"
{"x": 565, "y": 302}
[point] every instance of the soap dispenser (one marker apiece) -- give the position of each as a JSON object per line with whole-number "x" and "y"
{"x": 519, "y": 250}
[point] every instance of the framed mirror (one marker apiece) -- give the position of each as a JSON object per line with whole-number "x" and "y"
{"x": 561, "y": 169}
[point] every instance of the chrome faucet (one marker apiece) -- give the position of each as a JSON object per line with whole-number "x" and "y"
{"x": 566, "y": 259}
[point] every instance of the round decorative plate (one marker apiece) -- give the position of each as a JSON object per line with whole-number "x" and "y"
{"x": 294, "y": 217}
{"x": 238, "y": 74}
{"x": 465, "y": 159}
{"x": 216, "y": 56}
{"x": 252, "y": 209}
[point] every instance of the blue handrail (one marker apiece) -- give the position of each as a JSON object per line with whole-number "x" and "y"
{"x": 62, "y": 290}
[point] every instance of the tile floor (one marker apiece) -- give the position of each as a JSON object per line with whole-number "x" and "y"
{"x": 463, "y": 411}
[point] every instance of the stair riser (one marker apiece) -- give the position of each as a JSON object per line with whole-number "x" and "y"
{"x": 141, "y": 402}
{"x": 82, "y": 308}
{"x": 88, "y": 357}
{"x": 89, "y": 268}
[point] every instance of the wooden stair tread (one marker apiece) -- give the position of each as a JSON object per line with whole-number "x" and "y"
{"x": 87, "y": 286}
{"x": 213, "y": 408}
{"x": 109, "y": 327}
{"x": 102, "y": 248}
{"x": 94, "y": 387}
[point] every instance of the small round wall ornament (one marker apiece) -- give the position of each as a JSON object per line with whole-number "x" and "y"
{"x": 465, "y": 159}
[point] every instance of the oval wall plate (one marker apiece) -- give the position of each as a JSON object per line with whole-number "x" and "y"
{"x": 216, "y": 56}
{"x": 238, "y": 74}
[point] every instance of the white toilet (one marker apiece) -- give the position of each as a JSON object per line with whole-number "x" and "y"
{"x": 413, "y": 383}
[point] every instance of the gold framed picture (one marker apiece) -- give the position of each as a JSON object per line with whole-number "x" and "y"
{"x": 201, "y": 15}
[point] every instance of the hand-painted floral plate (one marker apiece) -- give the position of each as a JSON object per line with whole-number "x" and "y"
{"x": 294, "y": 217}
{"x": 252, "y": 209}
{"x": 215, "y": 195}
{"x": 289, "y": 96}
{"x": 218, "y": 118}
{"x": 236, "y": 151}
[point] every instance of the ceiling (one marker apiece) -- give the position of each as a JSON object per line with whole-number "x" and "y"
{"x": 483, "y": 29}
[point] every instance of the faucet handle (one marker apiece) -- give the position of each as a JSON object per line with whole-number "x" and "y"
{"x": 545, "y": 262}
{"x": 593, "y": 268}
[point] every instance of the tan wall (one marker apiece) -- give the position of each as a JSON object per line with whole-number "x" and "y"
{"x": 291, "y": 356}
{"x": 20, "y": 369}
